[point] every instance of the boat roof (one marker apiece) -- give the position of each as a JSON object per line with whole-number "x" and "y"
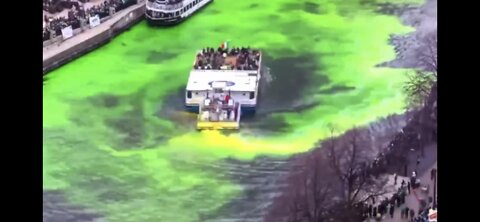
{"x": 244, "y": 81}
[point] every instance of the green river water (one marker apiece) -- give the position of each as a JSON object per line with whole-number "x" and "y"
{"x": 117, "y": 141}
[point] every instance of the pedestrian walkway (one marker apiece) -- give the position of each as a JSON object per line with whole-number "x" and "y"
{"x": 426, "y": 161}
{"x": 423, "y": 167}
{"x": 54, "y": 49}
{"x": 412, "y": 200}
{"x": 64, "y": 12}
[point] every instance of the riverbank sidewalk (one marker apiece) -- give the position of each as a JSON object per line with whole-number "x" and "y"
{"x": 56, "y": 48}
{"x": 413, "y": 199}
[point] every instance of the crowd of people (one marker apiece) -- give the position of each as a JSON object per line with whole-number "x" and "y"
{"x": 223, "y": 58}
{"x": 378, "y": 210}
{"x": 423, "y": 215}
{"x": 57, "y": 24}
{"x": 77, "y": 13}
{"x": 387, "y": 206}
{"x": 167, "y": 1}
{"x": 394, "y": 154}
{"x": 54, "y": 6}
{"x": 404, "y": 141}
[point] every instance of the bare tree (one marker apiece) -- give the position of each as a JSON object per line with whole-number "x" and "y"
{"x": 419, "y": 83}
{"x": 330, "y": 182}
{"x": 307, "y": 197}
{"x": 349, "y": 158}
{"x": 428, "y": 54}
{"x": 348, "y": 166}
{"x": 420, "y": 89}
{"x": 317, "y": 188}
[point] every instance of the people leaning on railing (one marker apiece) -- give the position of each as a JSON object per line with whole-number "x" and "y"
{"x": 54, "y": 6}
{"x": 76, "y": 14}
{"x": 166, "y": 1}
{"x": 224, "y": 59}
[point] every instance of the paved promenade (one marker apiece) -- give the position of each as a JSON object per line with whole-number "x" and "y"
{"x": 412, "y": 200}
{"x": 61, "y": 46}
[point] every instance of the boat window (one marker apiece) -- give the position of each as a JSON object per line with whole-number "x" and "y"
{"x": 196, "y": 93}
{"x": 252, "y": 95}
{"x": 177, "y": 13}
{"x": 189, "y": 94}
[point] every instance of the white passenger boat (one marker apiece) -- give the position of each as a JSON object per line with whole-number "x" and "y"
{"x": 236, "y": 71}
{"x": 171, "y": 12}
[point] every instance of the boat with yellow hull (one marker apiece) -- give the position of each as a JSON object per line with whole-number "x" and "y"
{"x": 220, "y": 112}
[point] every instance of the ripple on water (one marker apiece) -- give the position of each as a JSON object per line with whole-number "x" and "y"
{"x": 57, "y": 209}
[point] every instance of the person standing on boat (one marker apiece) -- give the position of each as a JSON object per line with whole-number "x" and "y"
{"x": 236, "y": 110}
{"x": 222, "y": 96}
{"x": 227, "y": 98}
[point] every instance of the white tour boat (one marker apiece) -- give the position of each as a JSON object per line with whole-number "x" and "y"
{"x": 171, "y": 12}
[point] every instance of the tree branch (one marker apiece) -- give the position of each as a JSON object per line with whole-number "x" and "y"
{"x": 376, "y": 194}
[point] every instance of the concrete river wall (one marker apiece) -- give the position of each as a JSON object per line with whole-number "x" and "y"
{"x": 59, "y": 52}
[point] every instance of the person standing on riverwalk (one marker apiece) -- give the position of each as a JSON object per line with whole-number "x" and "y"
{"x": 392, "y": 210}
{"x": 405, "y": 213}
{"x": 369, "y": 210}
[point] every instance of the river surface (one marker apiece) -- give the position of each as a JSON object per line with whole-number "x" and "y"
{"x": 117, "y": 145}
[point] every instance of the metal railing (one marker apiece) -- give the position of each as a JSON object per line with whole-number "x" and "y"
{"x": 204, "y": 108}
{"x": 86, "y": 26}
{"x": 156, "y": 6}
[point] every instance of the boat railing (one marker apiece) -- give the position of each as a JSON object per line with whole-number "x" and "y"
{"x": 223, "y": 106}
{"x": 229, "y": 62}
{"x": 207, "y": 113}
{"x": 165, "y": 7}
{"x": 239, "y": 71}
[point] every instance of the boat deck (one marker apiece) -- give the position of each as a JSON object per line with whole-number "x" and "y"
{"x": 218, "y": 116}
{"x": 228, "y": 59}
